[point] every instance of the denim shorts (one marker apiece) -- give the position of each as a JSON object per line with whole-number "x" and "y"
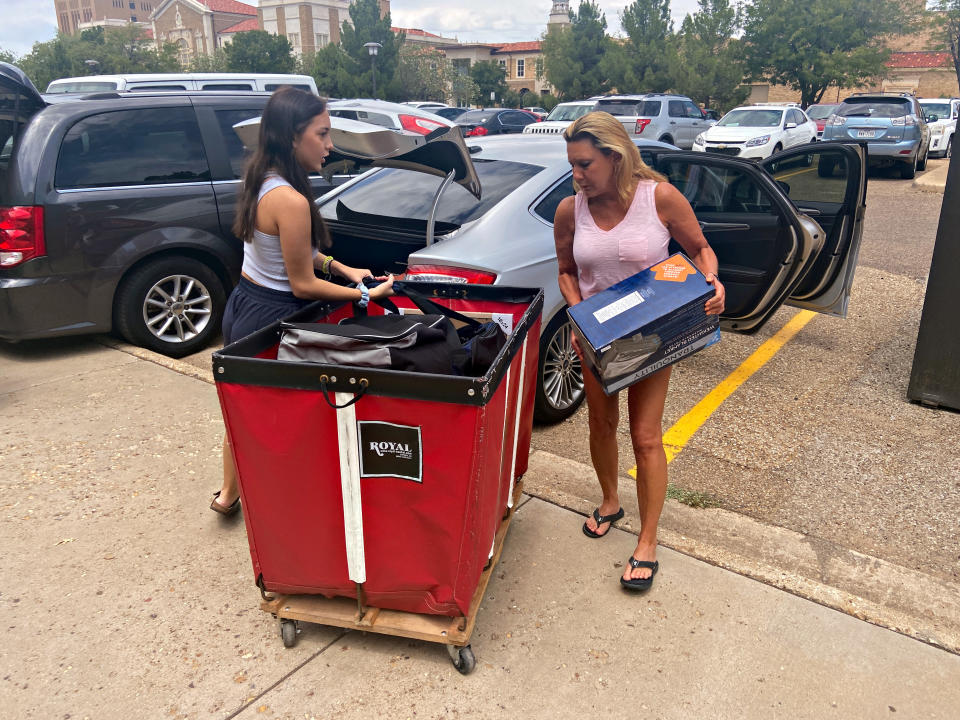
{"x": 252, "y": 307}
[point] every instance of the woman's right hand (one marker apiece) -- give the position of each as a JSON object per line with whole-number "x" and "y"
{"x": 384, "y": 289}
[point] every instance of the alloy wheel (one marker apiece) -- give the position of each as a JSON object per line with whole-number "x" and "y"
{"x": 562, "y": 374}
{"x": 177, "y": 308}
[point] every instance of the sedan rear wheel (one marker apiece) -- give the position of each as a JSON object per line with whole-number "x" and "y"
{"x": 559, "y": 375}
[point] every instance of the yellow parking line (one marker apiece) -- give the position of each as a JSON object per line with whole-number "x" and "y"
{"x": 798, "y": 172}
{"x": 676, "y": 438}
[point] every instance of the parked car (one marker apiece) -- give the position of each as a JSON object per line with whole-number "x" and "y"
{"x": 819, "y": 114}
{"x": 115, "y": 213}
{"x": 428, "y": 105}
{"x": 712, "y": 114}
{"x": 757, "y": 132}
{"x": 536, "y": 116}
{"x": 891, "y": 123}
{"x": 941, "y": 114}
{"x": 539, "y": 111}
{"x": 387, "y": 114}
{"x": 450, "y": 113}
{"x": 673, "y": 119}
{"x": 155, "y": 82}
{"x": 770, "y": 251}
{"x": 561, "y": 116}
{"x": 495, "y": 121}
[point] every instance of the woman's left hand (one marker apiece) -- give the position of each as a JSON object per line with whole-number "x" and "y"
{"x": 355, "y": 275}
{"x": 716, "y": 304}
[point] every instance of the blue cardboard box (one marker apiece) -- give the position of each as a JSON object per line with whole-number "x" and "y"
{"x": 646, "y": 322}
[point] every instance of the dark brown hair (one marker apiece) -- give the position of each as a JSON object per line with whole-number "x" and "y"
{"x": 285, "y": 117}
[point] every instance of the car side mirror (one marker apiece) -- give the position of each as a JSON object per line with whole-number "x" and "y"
{"x": 789, "y": 126}
{"x": 933, "y": 118}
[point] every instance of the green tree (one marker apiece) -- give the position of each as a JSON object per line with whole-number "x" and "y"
{"x": 209, "y": 63}
{"x": 946, "y": 23}
{"x": 810, "y": 45}
{"x": 710, "y": 67}
{"x": 423, "y": 74}
{"x": 335, "y": 72}
{"x": 645, "y": 60}
{"x": 574, "y": 56}
{"x": 367, "y": 26}
{"x": 259, "y": 51}
{"x": 489, "y": 77}
{"x": 462, "y": 87}
{"x": 8, "y": 57}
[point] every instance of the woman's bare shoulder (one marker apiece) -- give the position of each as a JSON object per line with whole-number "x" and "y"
{"x": 565, "y": 210}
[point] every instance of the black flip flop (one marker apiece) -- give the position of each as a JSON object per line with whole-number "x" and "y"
{"x": 601, "y": 519}
{"x": 640, "y": 583}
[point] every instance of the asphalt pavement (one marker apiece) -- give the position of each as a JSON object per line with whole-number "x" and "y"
{"x": 823, "y": 584}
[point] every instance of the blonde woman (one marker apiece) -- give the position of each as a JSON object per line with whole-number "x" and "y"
{"x": 620, "y": 222}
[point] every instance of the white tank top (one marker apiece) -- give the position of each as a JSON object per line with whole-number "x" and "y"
{"x": 262, "y": 256}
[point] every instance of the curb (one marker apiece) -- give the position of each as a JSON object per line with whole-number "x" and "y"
{"x": 158, "y": 359}
{"x": 934, "y": 181}
{"x": 868, "y": 588}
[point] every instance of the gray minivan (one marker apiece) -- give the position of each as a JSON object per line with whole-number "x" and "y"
{"x": 115, "y": 213}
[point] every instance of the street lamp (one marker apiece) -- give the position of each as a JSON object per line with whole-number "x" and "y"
{"x": 372, "y": 48}
{"x": 92, "y": 64}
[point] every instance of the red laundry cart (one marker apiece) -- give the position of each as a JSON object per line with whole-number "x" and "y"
{"x": 379, "y": 499}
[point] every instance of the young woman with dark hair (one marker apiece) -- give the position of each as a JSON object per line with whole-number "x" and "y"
{"x": 283, "y": 236}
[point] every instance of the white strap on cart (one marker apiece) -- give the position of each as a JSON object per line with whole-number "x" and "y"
{"x": 516, "y": 419}
{"x": 350, "y": 486}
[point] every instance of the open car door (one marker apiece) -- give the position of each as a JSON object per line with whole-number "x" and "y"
{"x": 827, "y": 182}
{"x": 768, "y": 250}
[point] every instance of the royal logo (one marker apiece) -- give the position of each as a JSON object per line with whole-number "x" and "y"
{"x": 389, "y": 450}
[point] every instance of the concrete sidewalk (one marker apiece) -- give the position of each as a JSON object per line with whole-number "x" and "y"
{"x": 124, "y": 596}
{"x": 935, "y": 178}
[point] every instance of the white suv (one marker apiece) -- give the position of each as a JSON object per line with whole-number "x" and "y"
{"x": 758, "y": 131}
{"x": 673, "y": 119}
{"x": 943, "y": 129}
{"x": 561, "y": 116}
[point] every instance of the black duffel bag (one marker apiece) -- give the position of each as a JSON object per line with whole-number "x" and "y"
{"x": 418, "y": 343}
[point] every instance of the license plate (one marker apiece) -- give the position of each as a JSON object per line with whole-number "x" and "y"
{"x": 865, "y": 133}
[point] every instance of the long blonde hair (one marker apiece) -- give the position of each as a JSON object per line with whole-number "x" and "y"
{"x": 608, "y": 136}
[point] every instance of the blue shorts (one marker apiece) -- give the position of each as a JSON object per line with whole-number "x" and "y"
{"x": 252, "y": 307}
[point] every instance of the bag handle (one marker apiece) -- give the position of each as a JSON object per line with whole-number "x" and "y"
{"x": 429, "y": 306}
{"x": 364, "y": 384}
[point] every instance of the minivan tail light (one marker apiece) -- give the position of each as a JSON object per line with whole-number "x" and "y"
{"x": 641, "y": 124}
{"x": 442, "y": 273}
{"x": 417, "y": 124}
{"x": 21, "y": 235}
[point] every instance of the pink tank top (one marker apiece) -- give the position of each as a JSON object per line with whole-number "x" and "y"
{"x": 605, "y": 257}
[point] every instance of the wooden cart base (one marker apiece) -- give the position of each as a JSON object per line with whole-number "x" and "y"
{"x": 347, "y": 613}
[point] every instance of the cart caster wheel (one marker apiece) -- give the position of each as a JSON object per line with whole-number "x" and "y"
{"x": 288, "y": 631}
{"x": 463, "y": 659}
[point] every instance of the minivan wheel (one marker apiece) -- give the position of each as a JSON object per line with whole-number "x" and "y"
{"x": 908, "y": 170}
{"x": 559, "y": 375}
{"x": 172, "y": 306}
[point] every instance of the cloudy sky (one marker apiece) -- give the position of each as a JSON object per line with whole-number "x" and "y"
{"x": 28, "y": 21}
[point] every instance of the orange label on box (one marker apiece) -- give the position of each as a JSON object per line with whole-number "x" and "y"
{"x": 673, "y": 269}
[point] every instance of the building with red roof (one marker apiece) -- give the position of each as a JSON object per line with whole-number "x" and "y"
{"x": 198, "y": 27}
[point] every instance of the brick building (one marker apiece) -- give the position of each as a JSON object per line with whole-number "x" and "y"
{"x": 195, "y": 25}
{"x": 76, "y": 15}
{"x": 308, "y": 24}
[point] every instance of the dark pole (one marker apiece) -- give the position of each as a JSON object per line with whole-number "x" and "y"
{"x": 373, "y": 65}
{"x": 935, "y": 375}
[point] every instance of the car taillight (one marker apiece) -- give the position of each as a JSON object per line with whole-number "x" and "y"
{"x": 904, "y": 120}
{"x": 836, "y": 121}
{"x": 641, "y": 124}
{"x": 21, "y": 235}
{"x": 417, "y": 124}
{"x": 442, "y": 273}
{"x": 478, "y": 131}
